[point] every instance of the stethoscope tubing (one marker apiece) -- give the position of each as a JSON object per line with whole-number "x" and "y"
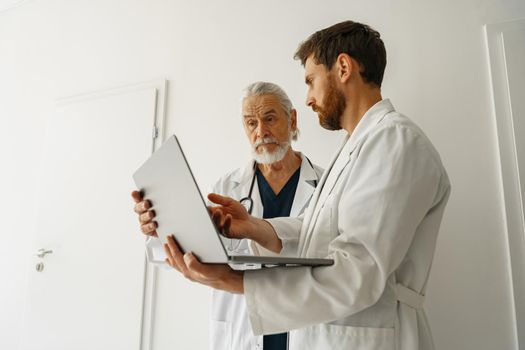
{"x": 249, "y": 199}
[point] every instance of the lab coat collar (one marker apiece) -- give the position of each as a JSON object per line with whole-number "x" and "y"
{"x": 245, "y": 176}
{"x": 241, "y": 181}
{"x": 371, "y": 118}
{"x": 308, "y": 179}
{"x": 308, "y": 173}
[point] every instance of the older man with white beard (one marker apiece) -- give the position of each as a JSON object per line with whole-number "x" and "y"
{"x": 277, "y": 182}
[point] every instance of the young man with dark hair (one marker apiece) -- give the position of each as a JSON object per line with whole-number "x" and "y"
{"x": 376, "y": 212}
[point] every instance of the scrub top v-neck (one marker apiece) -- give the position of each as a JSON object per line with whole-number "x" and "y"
{"x": 277, "y": 205}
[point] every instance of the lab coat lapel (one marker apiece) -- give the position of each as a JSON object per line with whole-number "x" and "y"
{"x": 257, "y": 209}
{"x": 333, "y": 175}
{"x": 305, "y": 187}
{"x": 241, "y": 188}
{"x": 341, "y": 159}
{"x": 314, "y": 207}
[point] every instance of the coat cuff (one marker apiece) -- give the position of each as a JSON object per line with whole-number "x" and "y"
{"x": 287, "y": 229}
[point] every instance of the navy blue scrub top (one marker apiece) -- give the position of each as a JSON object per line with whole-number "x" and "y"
{"x": 280, "y": 204}
{"x": 277, "y": 206}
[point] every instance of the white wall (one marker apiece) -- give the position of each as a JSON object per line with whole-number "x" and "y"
{"x": 437, "y": 74}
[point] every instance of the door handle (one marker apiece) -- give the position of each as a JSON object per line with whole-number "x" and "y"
{"x": 43, "y": 252}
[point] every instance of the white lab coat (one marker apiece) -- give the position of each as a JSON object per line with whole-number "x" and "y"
{"x": 230, "y": 328}
{"x": 376, "y": 212}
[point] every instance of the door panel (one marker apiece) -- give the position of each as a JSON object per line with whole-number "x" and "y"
{"x": 89, "y": 293}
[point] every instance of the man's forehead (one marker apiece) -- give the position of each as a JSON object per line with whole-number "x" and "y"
{"x": 261, "y": 104}
{"x": 311, "y": 66}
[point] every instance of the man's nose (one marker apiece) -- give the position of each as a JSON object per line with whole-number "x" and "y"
{"x": 262, "y": 130}
{"x": 310, "y": 101}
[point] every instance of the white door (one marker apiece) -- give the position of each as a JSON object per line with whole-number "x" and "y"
{"x": 89, "y": 291}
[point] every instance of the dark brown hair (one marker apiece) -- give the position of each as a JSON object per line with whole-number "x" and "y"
{"x": 359, "y": 41}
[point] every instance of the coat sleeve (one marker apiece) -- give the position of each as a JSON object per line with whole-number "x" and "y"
{"x": 391, "y": 186}
{"x": 288, "y": 230}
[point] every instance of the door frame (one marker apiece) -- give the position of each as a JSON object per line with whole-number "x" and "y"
{"x": 513, "y": 191}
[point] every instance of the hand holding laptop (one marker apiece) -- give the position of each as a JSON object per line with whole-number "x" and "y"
{"x": 145, "y": 213}
{"x": 216, "y": 276}
{"x": 221, "y": 277}
{"x": 230, "y": 217}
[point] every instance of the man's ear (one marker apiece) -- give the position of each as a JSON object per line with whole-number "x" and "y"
{"x": 345, "y": 67}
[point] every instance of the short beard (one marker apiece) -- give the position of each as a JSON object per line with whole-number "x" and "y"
{"x": 334, "y": 105}
{"x": 266, "y": 157}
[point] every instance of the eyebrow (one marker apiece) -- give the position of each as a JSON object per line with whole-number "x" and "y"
{"x": 308, "y": 79}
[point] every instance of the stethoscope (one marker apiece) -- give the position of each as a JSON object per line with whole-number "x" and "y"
{"x": 247, "y": 201}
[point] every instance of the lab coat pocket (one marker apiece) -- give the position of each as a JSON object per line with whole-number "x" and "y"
{"x": 220, "y": 335}
{"x": 335, "y": 337}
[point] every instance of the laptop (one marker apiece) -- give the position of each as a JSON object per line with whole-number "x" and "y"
{"x": 168, "y": 183}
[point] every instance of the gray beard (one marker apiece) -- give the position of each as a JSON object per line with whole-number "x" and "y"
{"x": 271, "y": 157}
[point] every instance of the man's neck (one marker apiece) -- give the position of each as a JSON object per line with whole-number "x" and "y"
{"x": 286, "y": 166}
{"x": 277, "y": 174}
{"x": 358, "y": 103}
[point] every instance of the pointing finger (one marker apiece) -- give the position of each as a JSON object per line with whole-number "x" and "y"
{"x": 227, "y": 224}
{"x": 217, "y": 218}
{"x": 218, "y": 199}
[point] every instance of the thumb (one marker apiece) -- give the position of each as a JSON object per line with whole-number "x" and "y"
{"x": 218, "y": 199}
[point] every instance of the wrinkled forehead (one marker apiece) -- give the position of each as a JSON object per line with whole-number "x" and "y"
{"x": 261, "y": 104}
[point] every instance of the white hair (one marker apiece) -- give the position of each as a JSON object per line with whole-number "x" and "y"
{"x": 266, "y": 88}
